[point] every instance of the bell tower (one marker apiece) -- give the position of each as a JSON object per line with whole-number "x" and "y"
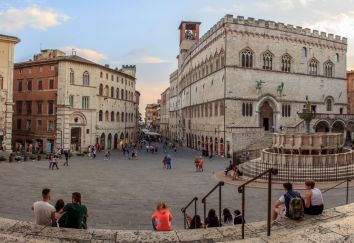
{"x": 189, "y": 34}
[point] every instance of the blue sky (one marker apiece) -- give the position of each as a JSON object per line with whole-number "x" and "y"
{"x": 145, "y": 32}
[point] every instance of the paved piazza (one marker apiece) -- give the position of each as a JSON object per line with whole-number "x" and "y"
{"x": 121, "y": 193}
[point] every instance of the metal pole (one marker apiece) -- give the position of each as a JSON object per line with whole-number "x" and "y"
{"x": 195, "y": 213}
{"x": 204, "y": 214}
{"x": 243, "y": 212}
{"x": 220, "y": 204}
{"x": 347, "y": 197}
{"x": 269, "y": 200}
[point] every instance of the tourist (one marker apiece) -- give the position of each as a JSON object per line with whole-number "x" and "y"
{"x": 169, "y": 162}
{"x": 107, "y": 155}
{"x": 313, "y": 199}
{"x": 227, "y": 221}
{"x": 75, "y": 213}
{"x": 294, "y": 208}
{"x": 161, "y": 218}
{"x": 238, "y": 218}
{"x": 94, "y": 151}
{"x": 44, "y": 212}
{"x": 59, "y": 205}
{"x": 229, "y": 168}
{"x": 164, "y": 162}
{"x": 53, "y": 162}
{"x": 196, "y": 222}
{"x": 196, "y": 162}
{"x": 200, "y": 164}
{"x": 50, "y": 160}
{"x": 212, "y": 220}
{"x": 66, "y": 154}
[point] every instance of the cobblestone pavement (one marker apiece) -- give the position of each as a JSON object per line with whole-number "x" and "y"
{"x": 122, "y": 193}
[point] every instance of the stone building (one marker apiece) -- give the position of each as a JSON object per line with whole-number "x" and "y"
{"x": 174, "y": 108}
{"x": 350, "y": 91}
{"x": 7, "y": 46}
{"x": 164, "y": 111}
{"x": 70, "y": 102}
{"x": 151, "y": 116}
{"x": 246, "y": 77}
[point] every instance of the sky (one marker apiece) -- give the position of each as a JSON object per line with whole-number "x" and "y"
{"x": 145, "y": 32}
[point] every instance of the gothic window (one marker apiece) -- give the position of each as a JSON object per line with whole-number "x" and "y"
{"x": 122, "y": 94}
{"x": 29, "y": 84}
{"x": 210, "y": 109}
{"x": 122, "y": 117}
{"x": 106, "y": 90}
{"x": 100, "y": 115}
{"x": 286, "y": 63}
{"x": 337, "y": 57}
{"x": 222, "y": 108}
{"x": 286, "y": 110}
{"x": 329, "y": 105}
{"x": 313, "y": 67}
{"x": 72, "y": 77}
{"x": 267, "y": 60}
{"x": 1, "y": 82}
{"x": 117, "y": 117}
{"x": 86, "y": 79}
{"x": 304, "y": 52}
{"x": 117, "y": 93}
{"x": 247, "y": 58}
{"x": 216, "y": 106}
{"x": 247, "y": 109}
{"x": 112, "y": 92}
{"x": 328, "y": 69}
{"x": 100, "y": 91}
{"x": 106, "y": 116}
{"x": 112, "y": 116}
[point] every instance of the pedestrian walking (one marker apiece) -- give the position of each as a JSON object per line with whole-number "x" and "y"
{"x": 94, "y": 152}
{"x": 66, "y": 154}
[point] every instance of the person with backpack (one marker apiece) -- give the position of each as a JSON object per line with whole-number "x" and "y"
{"x": 294, "y": 207}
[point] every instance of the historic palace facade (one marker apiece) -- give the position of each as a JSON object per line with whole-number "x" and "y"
{"x": 245, "y": 77}
{"x": 70, "y": 102}
{"x": 7, "y": 47}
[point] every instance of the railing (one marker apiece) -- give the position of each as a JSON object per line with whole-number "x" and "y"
{"x": 219, "y": 185}
{"x": 347, "y": 192}
{"x": 185, "y": 209}
{"x": 242, "y": 189}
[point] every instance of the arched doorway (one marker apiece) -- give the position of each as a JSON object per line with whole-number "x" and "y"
{"x": 349, "y": 132}
{"x": 121, "y": 139}
{"x": 103, "y": 140}
{"x": 322, "y": 126}
{"x": 75, "y": 139}
{"x": 109, "y": 141}
{"x": 266, "y": 116}
{"x": 115, "y": 141}
{"x": 338, "y": 127}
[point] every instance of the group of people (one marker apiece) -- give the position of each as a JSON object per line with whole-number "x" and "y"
{"x": 296, "y": 205}
{"x": 167, "y": 162}
{"x": 70, "y": 215}
{"x": 199, "y": 164}
{"x": 92, "y": 150}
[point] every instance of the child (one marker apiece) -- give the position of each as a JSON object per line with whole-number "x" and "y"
{"x": 161, "y": 218}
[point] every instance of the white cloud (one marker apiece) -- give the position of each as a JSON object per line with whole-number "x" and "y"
{"x": 89, "y": 54}
{"x": 14, "y": 19}
{"x": 141, "y": 56}
{"x": 283, "y": 4}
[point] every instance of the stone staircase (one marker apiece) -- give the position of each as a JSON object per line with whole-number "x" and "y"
{"x": 264, "y": 142}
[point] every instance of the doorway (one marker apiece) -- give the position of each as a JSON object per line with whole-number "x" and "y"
{"x": 76, "y": 139}
{"x": 266, "y": 116}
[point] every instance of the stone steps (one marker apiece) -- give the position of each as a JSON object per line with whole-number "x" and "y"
{"x": 264, "y": 142}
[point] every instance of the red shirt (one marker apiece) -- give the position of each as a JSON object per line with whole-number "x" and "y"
{"x": 164, "y": 218}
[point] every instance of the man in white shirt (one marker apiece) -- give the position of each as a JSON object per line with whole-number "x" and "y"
{"x": 44, "y": 212}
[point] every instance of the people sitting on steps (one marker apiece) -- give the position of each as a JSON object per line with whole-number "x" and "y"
{"x": 294, "y": 208}
{"x": 161, "y": 218}
{"x": 212, "y": 220}
{"x": 44, "y": 212}
{"x": 238, "y": 218}
{"x": 313, "y": 200}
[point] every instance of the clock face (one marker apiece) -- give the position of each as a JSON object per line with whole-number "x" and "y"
{"x": 189, "y": 35}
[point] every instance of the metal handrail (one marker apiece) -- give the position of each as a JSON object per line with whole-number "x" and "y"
{"x": 242, "y": 189}
{"x": 219, "y": 185}
{"x": 195, "y": 199}
{"x": 345, "y": 181}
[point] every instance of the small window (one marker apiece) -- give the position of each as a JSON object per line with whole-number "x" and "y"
{"x": 40, "y": 85}
{"x": 29, "y": 125}
{"x": 86, "y": 79}
{"x": 51, "y": 83}
{"x": 50, "y": 107}
{"x": 71, "y": 101}
{"x": 329, "y": 105}
{"x": 286, "y": 110}
{"x": 18, "y": 124}
{"x": 39, "y": 107}
{"x": 341, "y": 111}
{"x": 100, "y": 91}
{"x": 29, "y": 85}
{"x": 100, "y": 116}
{"x": 19, "y": 87}
{"x": 72, "y": 77}
{"x": 39, "y": 124}
{"x": 50, "y": 126}
{"x": 85, "y": 102}
{"x": 247, "y": 58}
{"x": 304, "y": 52}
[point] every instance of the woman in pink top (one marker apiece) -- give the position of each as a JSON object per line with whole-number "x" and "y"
{"x": 161, "y": 219}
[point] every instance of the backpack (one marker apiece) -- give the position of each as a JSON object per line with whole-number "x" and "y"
{"x": 296, "y": 207}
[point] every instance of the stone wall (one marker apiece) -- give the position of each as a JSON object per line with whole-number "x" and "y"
{"x": 242, "y": 137}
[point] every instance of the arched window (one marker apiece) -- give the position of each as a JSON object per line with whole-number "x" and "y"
{"x": 100, "y": 90}
{"x": 337, "y": 57}
{"x": 118, "y": 117}
{"x": 72, "y": 76}
{"x": 106, "y": 90}
{"x": 101, "y": 74}
{"x": 286, "y": 63}
{"x": 313, "y": 66}
{"x": 329, "y": 105}
{"x": 112, "y": 116}
{"x": 247, "y": 58}
{"x": 112, "y": 92}
{"x": 86, "y": 79}
{"x": 106, "y": 116}
{"x": 267, "y": 60}
{"x": 126, "y": 94}
{"x": 122, "y": 117}
{"x": 117, "y": 93}
{"x": 122, "y": 94}
{"x": 126, "y": 116}
{"x": 304, "y": 52}
{"x": 328, "y": 69}
{"x": 100, "y": 115}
